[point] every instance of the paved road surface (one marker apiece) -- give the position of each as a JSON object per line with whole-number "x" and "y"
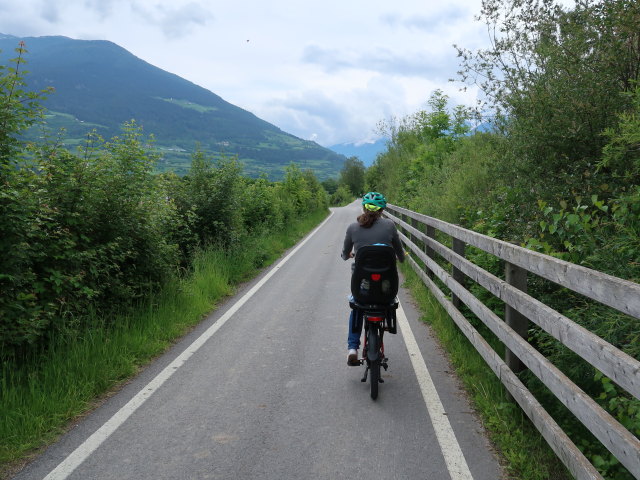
{"x": 265, "y": 393}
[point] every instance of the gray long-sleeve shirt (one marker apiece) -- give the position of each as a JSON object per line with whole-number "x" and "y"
{"x": 382, "y": 231}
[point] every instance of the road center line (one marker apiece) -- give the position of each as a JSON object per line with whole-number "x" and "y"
{"x": 80, "y": 454}
{"x": 453, "y": 456}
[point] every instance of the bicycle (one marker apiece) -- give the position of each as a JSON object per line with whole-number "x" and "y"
{"x": 374, "y": 286}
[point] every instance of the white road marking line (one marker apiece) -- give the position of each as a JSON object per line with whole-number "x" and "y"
{"x": 80, "y": 454}
{"x": 453, "y": 456}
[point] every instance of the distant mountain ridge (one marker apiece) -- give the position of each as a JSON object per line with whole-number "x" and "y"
{"x": 101, "y": 85}
{"x": 365, "y": 151}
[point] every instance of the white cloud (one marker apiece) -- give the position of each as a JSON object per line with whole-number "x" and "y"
{"x": 178, "y": 22}
{"x": 103, "y": 8}
{"x": 413, "y": 62}
{"x": 175, "y": 21}
{"x": 429, "y": 21}
{"x": 50, "y": 12}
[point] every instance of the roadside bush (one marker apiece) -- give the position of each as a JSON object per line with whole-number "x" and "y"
{"x": 211, "y": 194}
{"x": 97, "y": 231}
{"x": 91, "y": 233}
{"x": 86, "y": 234}
{"x": 261, "y": 208}
{"x": 341, "y": 196}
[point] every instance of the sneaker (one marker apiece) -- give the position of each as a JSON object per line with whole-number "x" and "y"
{"x": 352, "y": 359}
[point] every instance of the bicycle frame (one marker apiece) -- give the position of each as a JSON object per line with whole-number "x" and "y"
{"x": 377, "y": 323}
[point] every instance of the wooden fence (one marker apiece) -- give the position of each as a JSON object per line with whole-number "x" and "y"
{"x": 418, "y": 233}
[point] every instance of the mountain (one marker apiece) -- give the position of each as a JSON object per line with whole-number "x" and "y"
{"x": 101, "y": 85}
{"x": 365, "y": 151}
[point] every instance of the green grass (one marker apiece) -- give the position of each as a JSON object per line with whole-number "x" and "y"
{"x": 525, "y": 453}
{"x": 189, "y": 105}
{"x": 40, "y": 397}
{"x": 57, "y": 120}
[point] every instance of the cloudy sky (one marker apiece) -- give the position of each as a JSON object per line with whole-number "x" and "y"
{"x": 327, "y": 71}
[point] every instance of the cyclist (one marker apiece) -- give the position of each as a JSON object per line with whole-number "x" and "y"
{"x": 370, "y": 228}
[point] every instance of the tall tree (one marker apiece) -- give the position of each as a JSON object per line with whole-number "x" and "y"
{"x": 557, "y": 76}
{"x": 19, "y": 108}
{"x": 352, "y": 175}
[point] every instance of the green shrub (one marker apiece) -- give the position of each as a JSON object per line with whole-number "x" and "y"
{"x": 341, "y": 196}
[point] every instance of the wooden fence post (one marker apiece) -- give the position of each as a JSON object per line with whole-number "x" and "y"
{"x": 431, "y": 253}
{"x": 415, "y": 224}
{"x": 516, "y": 277}
{"x": 458, "y": 276}
{"x": 406, "y": 219}
{"x": 418, "y": 226}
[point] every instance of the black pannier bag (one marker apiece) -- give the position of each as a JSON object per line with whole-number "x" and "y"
{"x": 375, "y": 278}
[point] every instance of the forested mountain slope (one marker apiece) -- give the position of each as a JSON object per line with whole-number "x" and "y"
{"x": 101, "y": 85}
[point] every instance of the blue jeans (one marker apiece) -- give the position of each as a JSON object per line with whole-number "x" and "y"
{"x": 355, "y": 329}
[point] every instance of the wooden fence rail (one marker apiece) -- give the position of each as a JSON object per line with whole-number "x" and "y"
{"x": 418, "y": 233}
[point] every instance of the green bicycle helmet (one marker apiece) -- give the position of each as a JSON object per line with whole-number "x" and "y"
{"x": 374, "y": 201}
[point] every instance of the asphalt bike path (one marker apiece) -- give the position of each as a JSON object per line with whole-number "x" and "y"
{"x": 261, "y": 389}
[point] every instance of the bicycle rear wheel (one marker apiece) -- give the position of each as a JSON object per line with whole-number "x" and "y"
{"x": 373, "y": 355}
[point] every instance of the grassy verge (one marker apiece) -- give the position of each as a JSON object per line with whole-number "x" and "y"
{"x": 526, "y": 454}
{"x": 40, "y": 397}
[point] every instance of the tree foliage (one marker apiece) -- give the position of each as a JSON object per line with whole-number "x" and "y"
{"x": 556, "y": 77}
{"x": 19, "y": 107}
{"x": 420, "y": 144}
{"x": 330, "y": 185}
{"x": 95, "y": 230}
{"x": 352, "y": 176}
{"x": 341, "y": 196}
{"x": 559, "y": 172}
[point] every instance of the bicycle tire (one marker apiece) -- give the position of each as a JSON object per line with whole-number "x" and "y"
{"x": 374, "y": 361}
